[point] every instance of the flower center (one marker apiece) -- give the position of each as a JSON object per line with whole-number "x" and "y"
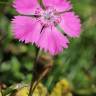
{"x": 48, "y": 14}
{"x": 48, "y": 17}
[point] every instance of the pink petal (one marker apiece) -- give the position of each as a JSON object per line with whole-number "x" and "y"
{"x": 59, "y": 5}
{"x": 71, "y": 24}
{"x": 26, "y": 6}
{"x": 26, "y": 29}
{"x": 53, "y": 41}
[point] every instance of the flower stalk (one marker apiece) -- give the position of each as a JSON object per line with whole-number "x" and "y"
{"x": 40, "y": 70}
{"x": 32, "y": 82}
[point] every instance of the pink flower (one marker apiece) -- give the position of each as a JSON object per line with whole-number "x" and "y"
{"x": 48, "y": 27}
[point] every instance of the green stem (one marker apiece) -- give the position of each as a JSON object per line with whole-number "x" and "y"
{"x": 32, "y": 82}
{"x": 42, "y": 4}
{"x": 41, "y": 77}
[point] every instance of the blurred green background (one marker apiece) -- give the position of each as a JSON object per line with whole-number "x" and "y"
{"x": 77, "y": 63}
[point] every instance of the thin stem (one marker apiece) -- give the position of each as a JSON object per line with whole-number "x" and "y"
{"x": 32, "y": 82}
{"x": 42, "y": 4}
{"x": 41, "y": 77}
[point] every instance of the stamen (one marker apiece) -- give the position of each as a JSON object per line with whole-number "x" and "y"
{"x": 48, "y": 17}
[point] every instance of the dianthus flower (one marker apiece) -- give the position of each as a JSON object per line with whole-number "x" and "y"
{"x": 47, "y": 25}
